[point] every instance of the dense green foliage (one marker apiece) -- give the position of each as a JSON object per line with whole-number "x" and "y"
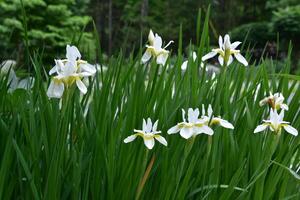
{"x": 77, "y": 151}
{"x": 44, "y": 25}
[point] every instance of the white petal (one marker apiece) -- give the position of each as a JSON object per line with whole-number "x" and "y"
{"x": 162, "y": 58}
{"x": 226, "y": 124}
{"x": 157, "y": 43}
{"x": 281, "y": 115}
{"x": 193, "y": 115}
{"x": 235, "y": 45}
{"x": 53, "y": 70}
{"x": 221, "y": 60}
{"x": 149, "y": 143}
{"x": 284, "y": 107}
{"x": 81, "y": 86}
{"x": 146, "y": 56}
{"x": 130, "y": 138}
{"x": 209, "y": 55}
{"x": 241, "y": 59}
{"x": 204, "y": 129}
{"x": 183, "y": 114}
{"x": 151, "y": 37}
{"x": 209, "y": 111}
{"x": 144, "y": 125}
{"x": 86, "y": 67}
{"x": 161, "y": 139}
{"x": 203, "y": 110}
{"x": 149, "y": 125}
{"x": 174, "y": 129}
{"x": 154, "y": 128}
{"x": 55, "y": 90}
{"x": 194, "y": 56}
{"x": 186, "y": 132}
{"x": 72, "y": 53}
{"x": 220, "y": 42}
{"x": 290, "y": 130}
{"x": 230, "y": 60}
{"x": 227, "y": 43}
{"x": 260, "y": 128}
{"x": 184, "y": 65}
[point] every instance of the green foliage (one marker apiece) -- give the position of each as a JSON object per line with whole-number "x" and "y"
{"x": 49, "y": 24}
{"x": 286, "y": 22}
{"x": 77, "y": 151}
{"x": 258, "y": 33}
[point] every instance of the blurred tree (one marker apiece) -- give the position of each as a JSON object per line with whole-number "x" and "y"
{"x": 50, "y": 25}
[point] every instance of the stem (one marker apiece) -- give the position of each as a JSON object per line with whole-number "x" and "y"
{"x": 145, "y": 176}
{"x": 209, "y": 143}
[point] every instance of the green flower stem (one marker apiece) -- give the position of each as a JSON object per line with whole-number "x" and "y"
{"x": 145, "y": 175}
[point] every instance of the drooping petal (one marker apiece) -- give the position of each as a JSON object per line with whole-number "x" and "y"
{"x": 209, "y": 55}
{"x": 235, "y": 45}
{"x": 186, "y": 132}
{"x": 149, "y": 142}
{"x": 290, "y": 130}
{"x": 174, "y": 129}
{"x": 260, "y": 128}
{"x": 221, "y": 60}
{"x": 55, "y": 89}
{"x": 204, "y": 129}
{"x": 130, "y": 138}
{"x": 81, "y": 86}
{"x": 86, "y": 67}
{"x": 184, "y": 65}
{"x": 284, "y": 107}
{"x": 162, "y": 58}
{"x": 72, "y": 53}
{"x": 226, "y": 124}
{"x": 161, "y": 139}
{"x": 241, "y": 59}
{"x": 146, "y": 56}
{"x": 230, "y": 60}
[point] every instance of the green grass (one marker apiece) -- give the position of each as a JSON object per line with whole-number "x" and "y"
{"x": 77, "y": 152}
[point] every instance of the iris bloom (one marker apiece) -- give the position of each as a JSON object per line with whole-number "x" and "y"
{"x": 211, "y": 120}
{"x": 155, "y": 49}
{"x": 184, "y": 64}
{"x": 276, "y": 123}
{"x": 275, "y": 101}
{"x": 149, "y": 133}
{"x": 68, "y": 71}
{"x": 191, "y": 127}
{"x": 225, "y": 51}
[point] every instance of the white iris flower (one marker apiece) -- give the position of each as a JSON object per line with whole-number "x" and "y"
{"x": 149, "y": 133}
{"x": 275, "y": 101}
{"x": 155, "y": 49}
{"x": 69, "y": 70}
{"x": 191, "y": 127}
{"x": 276, "y": 123}
{"x": 225, "y": 51}
{"x": 211, "y": 120}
